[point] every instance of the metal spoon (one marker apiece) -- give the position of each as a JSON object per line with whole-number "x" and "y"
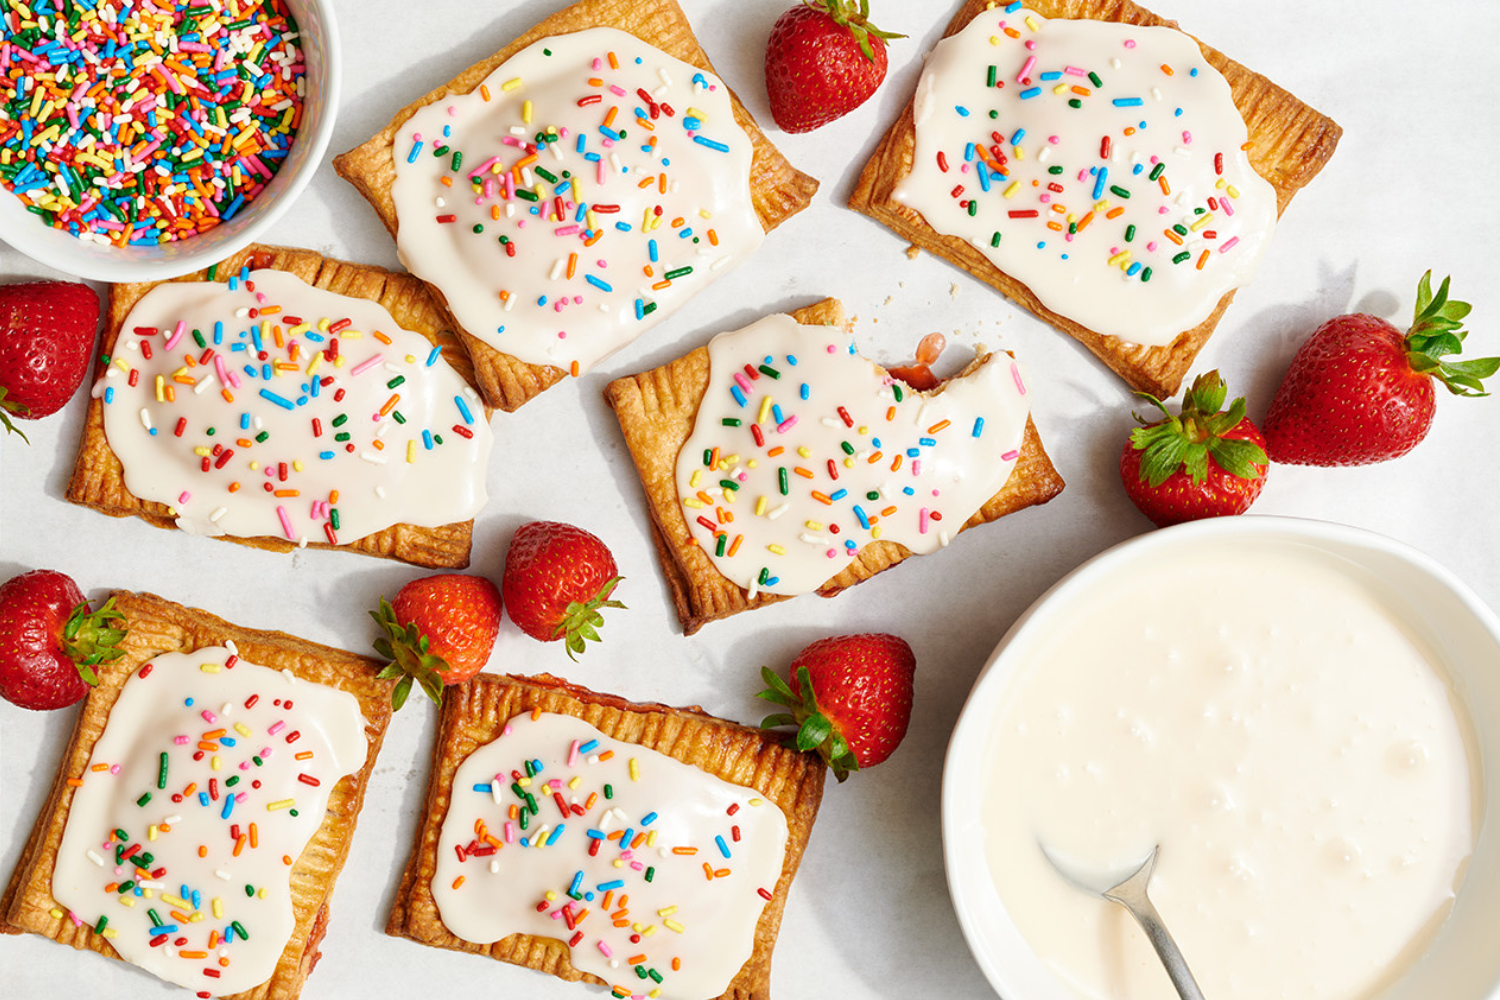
{"x": 1130, "y": 892}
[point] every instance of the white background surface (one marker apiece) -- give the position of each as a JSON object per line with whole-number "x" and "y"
{"x": 1409, "y": 188}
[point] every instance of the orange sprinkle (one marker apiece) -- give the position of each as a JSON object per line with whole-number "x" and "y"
{"x": 76, "y": 782}
{"x": 382, "y": 338}
{"x": 661, "y": 183}
{"x": 685, "y": 850}
{"x": 484, "y": 92}
{"x": 239, "y": 844}
{"x": 896, "y": 462}
{"x": 573, "y": 368}
{"x": 776, "y": 451}
{"x": 572, "y": 264}
{"x": 804, "y": 473}
{"x": 734, "y": 546}
{"x": 604, "y": 904}
{"x": 636, "y": 959}
{"x": 646, "y": 182}
{"x": 536, "y": 713}
{"x": 458, "y": 882}
{"x": 307, "y": 754}
{"x": 202, "y": 851}
{"x": 713, "y": 238}
{"x": 888, "y": 512}
{"x": 287, "y": 493}
{"x": 875, "y": 457}
{"x": 99, "y": 767}
{"x": 713, "y": 460}
{"x": 1172, "y": 236}
{"x": 708, "y": 871}
{"x": 390, "y": 404}
{"x": 1161, "y": 182}
{"x": 1202, "y": 259}
{"x": 890, "y": 413}
{"x": 1166, "y": 69}
{"x": 192, "y": 954}
{"x": 1081, "y": 91}
{"x": 676, "y": 965}
{"x": 660, "y": 285}
{"x": 254, "y": 836}
{"x": 286, "y": 859}
{"x": 609, "y": 116}
{"x": 446, "y": 181}
{"x": 720, "y": 872}
{"x": 614, "y": 63}
{"x": 1115, "y": 212}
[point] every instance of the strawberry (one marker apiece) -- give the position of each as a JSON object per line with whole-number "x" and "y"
{"x": 850, "y": 699}
{"x": 823, "y": 60}
{"x": 1359, "y": 391}
{"x": 1203, "y": 463}
{"x": 46, "y": 337}
{"x": 439, "y": 630}
{"x": 556, "y": 579}
{"x": 50, "y": 640}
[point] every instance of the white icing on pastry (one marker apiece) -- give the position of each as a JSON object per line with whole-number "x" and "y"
{"x": 803, "y": 452}
{"x": 1101, "y": 164}
{"x": 216, "y": 771}
{"x": 655, "y": 877}
{"x": 580, "y": 194}
{"x": 329, "y": 428}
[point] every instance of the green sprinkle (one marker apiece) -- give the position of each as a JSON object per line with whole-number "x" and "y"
{"x": 155, "y": 918}
{"x": 397, "y": 416}
{"x": 1074, "y": 103}
{"x": 249, "y": 890}
{"x": 103, "y": 922}
{"x": 198, "y": 338}
{"x": 398, "y": 380}
{"x": 1180, "y": 229}
{"x": 263, "y": 436}
{"x": 730, "y": 421}
{"x": 1094, "y": 79}
{"x": 1146, "y": 274}
{"x": 640, "y": 971}
{"x": 458, "y": 159}
{"x": 239, "y": 929}
{"x": 609, "y": 791}
{"x": 708, "y": 458}
{"x": 995, "y": 239}
{"x": 719, "y": 546}
{"x": 1118, "y": 191}
{"x": 232, "y": 781}
{"x": 1129, "y": 233}
{"x": 1156, "y": 171}
{"x": 143, "y": 799}
{"x": 1181, "y": 257}
{"x": 769, "y": 371}
{"x": 680, "y": 272}
{"x": 333, "y": 518}
{"x": 258, "y": 761}
{"x": 650, "y": 874}
{"x": 341, "y": 436}
{"x": 478, "y": 228}
{"x": 161, "y": 771}
{"x": 848, "y": 448}
{"x": 730, "y": 484}
{"x": 526, "y": 195}
{"x": 873, "y": 495}
{"x": 1054, "y": 170}
{"x": 545, "y": 174}
{"x": 213, "y": 275}
{"x": 341, "y": 420}
{"x": 124, "y": 887}
{"x": 440, "y": 151}
{"x": 973, "y": 207}
{"x": 989, "y": 77}
{"x": 897, "y": 390}
{"x": 781, "y": 480}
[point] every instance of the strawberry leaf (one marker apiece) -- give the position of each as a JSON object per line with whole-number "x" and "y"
{"x": 7, "y": 408}
{"x": 815, "y": 730}
{"x": 89, "y": 639}
{"x": 1238, "y": 457}
{"x": 779, "y": 719}
{"x": 407, "y": 649}
{"x": 1183, "y": 443}
{"x": 777, "y": 690}
{"x": 402, "y": 689}
{"x": 1437, "y": 332}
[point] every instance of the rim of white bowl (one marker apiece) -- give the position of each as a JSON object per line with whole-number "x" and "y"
{"x": 64, "y": 252}
{"x": 963, "y": 760}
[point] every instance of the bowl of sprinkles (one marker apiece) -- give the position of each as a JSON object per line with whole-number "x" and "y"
{"x": 144, "y": 139}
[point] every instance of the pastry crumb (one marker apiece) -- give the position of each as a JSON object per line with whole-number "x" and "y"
{"x": 888, "y": 300}
{"x": 912, "y": 250}
{"x": 953, "y": 290}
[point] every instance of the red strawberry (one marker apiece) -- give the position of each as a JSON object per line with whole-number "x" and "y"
{"x": 557, "y": 577}
{"x": 1204, "y": 463}
{"x": 1360, "y": 391}
{"x": 823, "y": 60}
{"x": 439, "y": 630}
{"x": 46, "y": 336}
{"x": 850, "y": 697}
{"x": 50, "y": 640}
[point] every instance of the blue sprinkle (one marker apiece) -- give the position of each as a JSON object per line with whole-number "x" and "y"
{"x": 597, "y": 283}
{"x": 228, "y": 741}
{"x": 582, "y": 141}
{"x": 610, "y": 886}
{"x": 325, "y": 455}
{"x": 525, "y": 841}
{"x": 595, "y": 834}
{"x": 627, "y": 837}
{"x": 984, "y": 176}
{"x": 577, "y": 883}
{"x": 590, "y": 747}
{"x": 723, "y": 847}
{"x": 536, "y": 767}
{"x": 651, "y": 246}
{"x": 433, "y": 355}
{"x": 913, "y": 453}
{"x": 908, "y": 491}
{"x": 218, "y": 331}
{"x": 416, "y": 151}
{"x": 623, "y": 227}
{"x": 228, "y": 807}
{"x": 963, "y": 112}
{"x": 875, "y": 442}
{"x": 1013, "y": 7}
{"x": 1030, "y": 92}
{"x": 1127, "y": 102}
{"x": 927, "y": 442}
{"x": 1017, "y": 136}
{"x": 610, "y": 133}
{"x": 969, "y": 152}
{"x": 864, "y": 522}
{"x": 427, "y": 439}
{"x": 109, "y": 394}
{"x": 463, "y": 409}
{"x": 1052, "y": 74}
{"x": 281, "y": 401}
{"x": 978, "y": 426}
{"x": 692, "y": 122}
{"x": 791, "y": 359}
{"x": 776, "y": 413}
{"x": 486, "y": 789}
{"x": 838, "y": 494}
{"x": 804, "y": 392}
{"x": 592, "y": 157}
{"x": 684, "y": 233}
{"x": 710, "y": 143}
{"x": 244, "y": 421}
{"x": 229, "y": 934}
{"x": 1193, "y": 71}
{"x": 557, "y": 832}
{"x": 1134, "y": 270}
{"x": 1100, "y": 179}
{"x": 739, "y": 397}
{"x": 640, "y": 309}
{"x": 1177, "y": 113}
{"x": 648, "y": 819}
{"x": 165, "y": 929}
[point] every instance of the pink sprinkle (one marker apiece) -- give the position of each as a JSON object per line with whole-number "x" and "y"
{"x": 183, "y": 497}
{"x": 565, "y": 231}
{"x": 830, "y": 553}
{"x": 636, "y": 866}
{"x": 916, "y": 466}
{"x": 786, "y": 424}
{"x": 484, "y": 166}
{"x": 244, "y": 765}
{"x": 605, "y": 949}
{"x": 1054, "y": 139}
{"x": 286, "y": 523}
{"x": 1015, "y": 373}
{"x": 597, "y": 62}
{"x": 922, "y": 520}
{"x": 508, "y": 140}
{"x": 1074, "y": 71}
{"x": 1151, "y": 246}
{"x": 180, "y": 740}
{"x": 265, "y": 752}
{"x": 176, "y": 334}
{"x": 219, "y": 368}
{"x": 1130, "y": 43}
{"x": 510, "y": 833}
{"x": 741, "y": 381}
{"x": 1009, "y": 456}
{"x": 208, "y": 716}
{"x": 276, "y": 727}
{"x": 74, "y": 917}
{"x": 1026, "y": 69}
{"x": 366, "y": 364}
{"x": 617, "y": 90}
{"x": 1227, "y": 208}
{"x": 1229, "y": 244}
{"x": 1187, "y": 136}
{"x": 558, "y": 305}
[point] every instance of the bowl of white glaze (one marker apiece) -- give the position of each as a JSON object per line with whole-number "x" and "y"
{"x": 1453, "y": 955}
{"x": 318, "y": 41}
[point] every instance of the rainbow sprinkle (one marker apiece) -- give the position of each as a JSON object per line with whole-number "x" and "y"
{"x": 138, "y": 124}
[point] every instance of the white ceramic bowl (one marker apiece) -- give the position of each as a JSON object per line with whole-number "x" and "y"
{"x": 1462, "y": 961}
{"x": 58, "y": 249}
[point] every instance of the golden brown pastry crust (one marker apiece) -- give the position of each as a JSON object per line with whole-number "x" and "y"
{"x": 158, "y": 626}
{"x": 99, "y": 478}
{"x": 657, "y": 410}
{"x": 777, "y": 189}
{"x": 474, "y": 713}
{"x": 1289, "y": 143}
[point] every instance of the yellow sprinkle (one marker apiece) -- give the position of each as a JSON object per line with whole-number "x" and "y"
{"x": 209, "y": 668}
{"x": 848, "y": 463}
{"x": 411, "y": 452}
{"x": 1232, "y": 191}
{"x": 695, "y": 478}
{"x": 804, "y": 451}
{"x": 195, "y": 918}
{"x": 757, "y": 802}
{"x": 260, "y": 893}
{"x": 875, "y": 531}
{"x": 779, "y": 550}
{"x": 297, "y": 465}
{"x": 111, "y": 933}
{"x": 218, "y": 908}
{"x": 692, "y": 502}
{"x": 729, "y": 496}
{"x": 1061, "y": 88}
{"x": 649, "y": 931}
{"x": 635, "y": 769}
{"x": 1010, "y": 192}
{"x": 551, "y": 894}
{"x": 127, "y": 900}
{"x": 673, "y": 925}
{"x": 510, "y": 85}
{"x": 575, "y": 782}
{"x": 161, "y": 389}
{"x": 760, "y": 506}
{"x": 316, "y": 362}
{"x": 279, "y": 804}
{"x": 729, "y": 461}
{"x": 151, "y": 832}
{"x": 526, "y": 112}
{"x": 242, "y": 729}
{"x": 56, "y": 913}
{"x": 695, "y": 113}
{"x": 1031, "y": 22}
{"x": 176, "y": 901}
{"x": 122, "y": 364}
{"x": 1202, "y": 221}
{"x": 651, "y": 839}
{"x": 1119, "y": 258}
{"x": 765, "y": 410}
{"x": 813, "y": 525}
{"x": 216, "y": 762}
{"x": 666, "y": 911}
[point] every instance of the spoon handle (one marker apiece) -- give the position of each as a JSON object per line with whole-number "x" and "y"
{"x": 1161, "y": 939}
